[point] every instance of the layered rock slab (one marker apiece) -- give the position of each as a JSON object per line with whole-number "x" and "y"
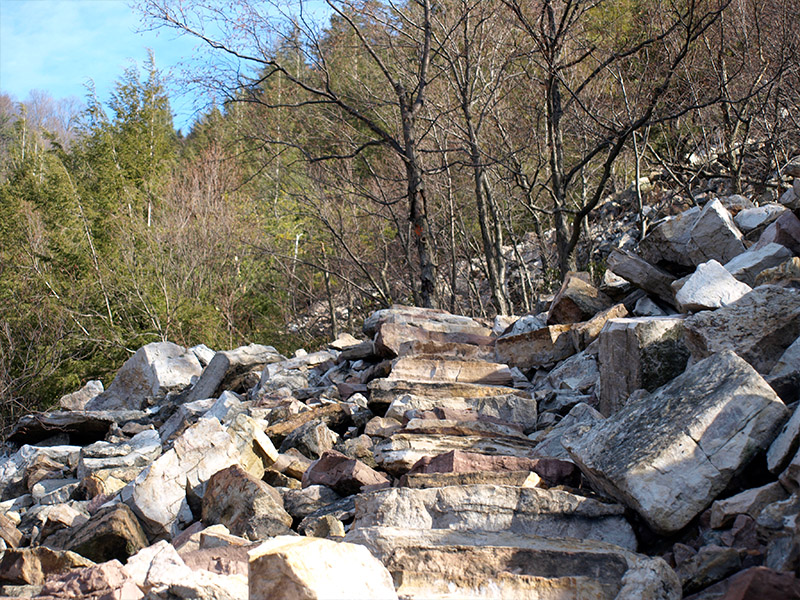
{"x": 668, "y": 455}
{"x": 519, "y": 510}
{"x": 478, "y": 564}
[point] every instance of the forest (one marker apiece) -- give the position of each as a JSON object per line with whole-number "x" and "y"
{"x": 354, "y": 154}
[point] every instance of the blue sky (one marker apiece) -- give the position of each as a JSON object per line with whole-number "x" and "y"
{"x": 58, "y": 45}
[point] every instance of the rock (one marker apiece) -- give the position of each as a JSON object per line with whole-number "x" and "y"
{"x": 579, "y": 373}
{"x": 122, "y": 460}
{"x": 286, "y": 568}
{"x": 359, "y": 351}
{"x": 709, "y": 565}
{"x": 343, "y": 342}
{"x": 54, "y": 491}
{"x": 292, "y": 463}
{"x": 31, "y": 464}
{"x": 301, "y": 503}
{"x": 333, "y": 415}
{"x": 714, "y": 235}
{"x": 32, "y": 566}
{"x": 785, "y": 445}
{"x": 429, "y": 319}
{"x": 755, "y": 583}
{"x": 9, "y": 532}
{"x": 504, "y": 403}
{"x": 785, "y": 375}
{"x": 584, "y": 334}
{"x": 392, "y": 337}
{"x": 785, "y": 230}
{"x": 577, "y": 300}
{"x": 525, "y": 324}
{"x": 642, "y": 274}
{"x": 759, "y": 327}
{"x": 449, "y": 370}
{"x": 464, "y": 564}
{"x": 472, "y": 425}
{"x": 382, "y": 427}
{"x": 81, "y": 427}
{"x": 666, "y": 242}
{"x": 398, "y": 454}
{"x": 638, "y": 353}
{"x": 645, "y": 307}
{"x": 501, "y": 478}
{"x": 788, "y": 272}
{"x": 77, "y": 400}
{"x": 670, "y": 454}
{"x": 748, "y": 265}
{"x": 751, "y": 218}
{"x": 111, "y": 533}
{"x": 106, "y": 581}
{"x": 256, "y": 451}
{"x": 711, "y": 286}
{"x": 344, "y": 475}
{"x": 229, "y": 365}
{"x": 203, "y": 353}
{"x": 539, "y": 348}
{"x": 326, "y": 526}
{"x": 342, "y": 510}
{"x": 550, "y": 445}
{"x": 158, "y": 496}
{"x": 247, "y": 506}
{"x": 750, "y": 502}
{"x": 359, "y": 448}
{"x": 152, "y": 371}
{"x": 524, "y": 511}
{"x": 312, "y": 439}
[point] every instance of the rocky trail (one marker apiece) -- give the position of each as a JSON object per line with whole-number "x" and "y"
{"x": 639, "y": 440}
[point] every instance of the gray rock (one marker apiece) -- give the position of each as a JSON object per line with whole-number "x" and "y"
{"x": 714, "y": 235}
{"x": 751, "y": 218}
{"x": 230, "y": 364}
{"x": 785, "y": 445}
{"x": 578, "y": 373}
{"x": 539, "y": 348}
{"x": 526, "y": 324}
{"x": 78, "y": 400}
{"x": 748, "y": 265}
{"x": 550, "y": 445}
{"x": 312, "y": 439}
{"x": 749, "y": 502}
{"x": 785, "y": 375}
{"x": 151, "y": 372}
{"x": 668, "y": 239}
{"x": 645, "y": 307}
{"x": 439, "y": 563}
{"x": 670, "y": 454}
{"x": 120, "y": 458}
{"x": 303, "y": 502}
{"x": 711, "y": 286}
{"x": 759, "y": 327}
{"x": 519, "y": 510}
{"x": 643, "y": 275}
{"x": 638, "y": 353}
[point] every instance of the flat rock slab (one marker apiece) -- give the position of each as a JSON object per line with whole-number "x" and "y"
{"x": 399, "y": 453}
{"x": 152, "y": 371}
{"x": 505, "y": 478}
{"x": 289, "y": 568}
{"x": 668, "y": 455}
{"x": 638, "y": 353}
{"x": 392, "y": 337}
{"x": 333, "y": 415}
{"x": 785, "y": 230}
{"x": 462, "y": 564}
{"x": 82, "y": 427}
{"x": 447, "y": 369}
{"x": 430, "y": 319}
{"x": 710, "y": 286}
{"x": 748, "y": 265}
{"x": 342, "y": 474}
{"x": 751, "y": 218}
{"x": 500, "y": 402}
{"x": 539, "y": 348}
{"x": 520, "y": 510}
{"x": 642, "y": 274}
{"x": 759, "y": 327}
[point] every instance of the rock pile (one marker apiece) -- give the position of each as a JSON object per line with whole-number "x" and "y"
{"x": 628, "y": 445}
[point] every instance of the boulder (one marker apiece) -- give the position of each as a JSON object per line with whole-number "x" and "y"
{"x": 154, "y": 370}
{"x": 759, "y": 327}
{"x": 550, "y": 444}
{"x": 9, "y": 532}
{"x": 667, "y": 241}
{"x": 748, "y": 265}
{"x": 668, "y": 455}
{"x": 539, "y": 348}
{"x": 500, "y": 478}
{"x": 786, "y": 273}
{"x": 430, "y": 319}
{"x": 344, "y": 475}
{"x": 288, "y": 568}
{"x": 584, "y": 334}
{"x": 749, "y": 502}
{"x": 642, "y": 274}
{"x": 638, "y": 353}
{"x": 392, "y": 337}
{"x": 785, "y": 230}
{"x": 104, "y": 581}
{"x": 710, "y": 286}
{"x": 78, "y": 400}
{"x": 247, "y": 506}
{"x": 335, "y": 416}
{"x": 518, "y": 510}
{"x": 709, "y": 565}
{"x": 310, "y": 499}
{"x": 121, "y": 459}
{"x": 784, "y": 377}
{"x": 441, "y": 563}
{"x": 113, "y": 532}
{"x": 755, "y": 583}
{"x": 33, "y": 566}
{"x": 785, "y": 445}
{"x": 231, "y": 365}
{"x": 751, "y": 218}
{"x": 714, "y": 235}
{"x": 312, "y": 439}
{"x": 577, "y": 300}
{"x": 578, "y": 373}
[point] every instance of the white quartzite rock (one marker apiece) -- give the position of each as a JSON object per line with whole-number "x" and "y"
{"x": 291, "y": 568}
{"x": 153, "y": 370}
{"x": 711, "y": 286}
{"x": 668, "y": 455}
{"x": 750, "y": 218}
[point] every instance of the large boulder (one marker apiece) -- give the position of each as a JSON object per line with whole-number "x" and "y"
{"x": 714, "y": 235}
{"x": 577, "y": 300}
{"x": 638, "y": 353}
{"x": 642, "y": 274}
{"x": 759, "y": 327}
{"x": 440, "y": 563}
{"x": 151, "y": 372}
{"x": 519, "y": 510}
{"x": 344, "y": 475}
{"x": 668, "y": 455}
{"x": 539, "y": 348}
{"x": 667, "y": 241}
{"x": 710, "y": 286}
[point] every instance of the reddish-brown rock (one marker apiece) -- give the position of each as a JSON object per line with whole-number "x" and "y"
{"x": 577, "y": 300}
{"x": 344, "y": 475}
{"x": 756, "y": 583}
